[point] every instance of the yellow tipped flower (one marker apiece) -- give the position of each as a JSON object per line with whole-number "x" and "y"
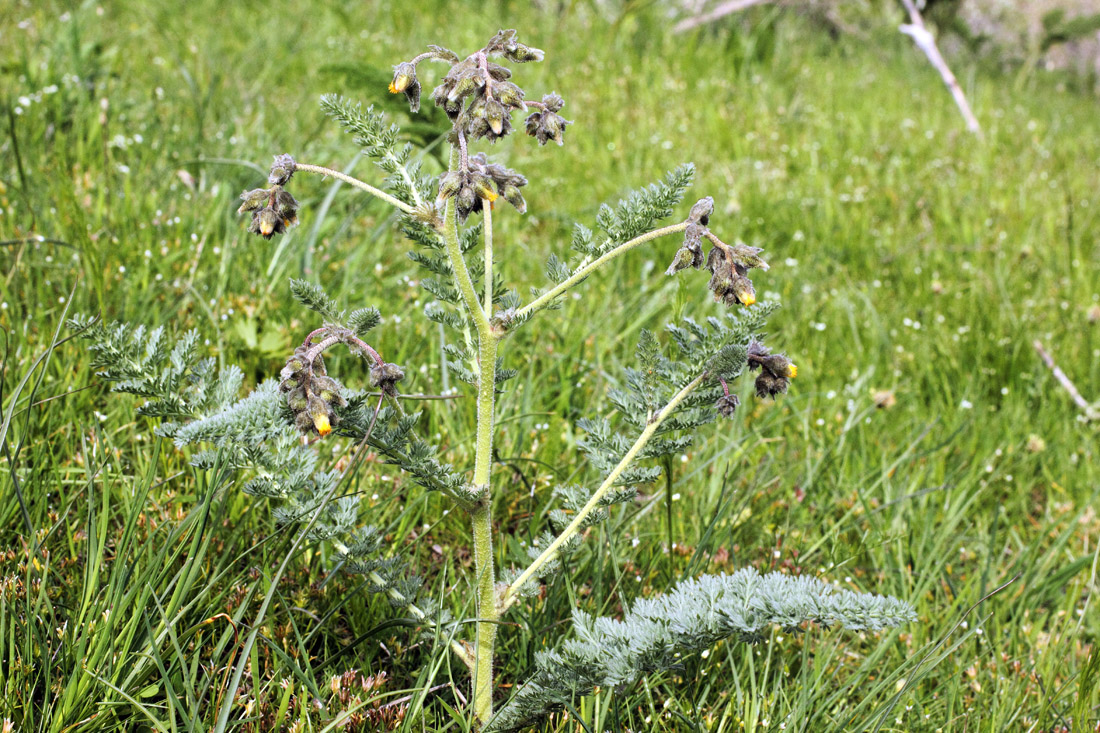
{"x": 322, "y": 424}
{"x": 792, "y": 371}
{"x": 267, "y": 222}
{"x": 399, "y": 84}
{"x": 748, "y": 298}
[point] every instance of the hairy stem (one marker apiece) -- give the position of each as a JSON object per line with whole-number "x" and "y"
{"x": 548, "y": 297}
{"x": 361, "y": 185}
{"x": 481, "y": 515}
{"x": 487, "y": 209}
{"x": 461, "y": 273}
{"x": 511, "y": 595}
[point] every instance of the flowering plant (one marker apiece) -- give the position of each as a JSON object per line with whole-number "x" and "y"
{"x": 675, "y": 389}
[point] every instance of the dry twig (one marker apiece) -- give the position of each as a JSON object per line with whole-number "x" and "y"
{"x": 1091, "y": 412}
{"x": 723, "y": 9}
{"x": 925, "y": 41}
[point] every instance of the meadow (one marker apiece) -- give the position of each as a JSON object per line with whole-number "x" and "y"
{"x": 924, "y": 451}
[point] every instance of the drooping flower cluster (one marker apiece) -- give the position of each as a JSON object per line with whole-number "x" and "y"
{"x": 273, "y": 210}
{"x": 479, "y": 98}
{"x": 728, "y": 264}
{"x": 546, "y": 124}
{"x": 776, "y": 370}
{"x": 310, "y": 393}
{"x": 475, "y": 185}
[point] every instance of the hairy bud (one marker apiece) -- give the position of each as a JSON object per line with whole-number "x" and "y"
{"x": 406, "y": 82}
{"x": 547, "y": 124}
{"x": 727, "y": 405}
{"x": 281, "y": 170}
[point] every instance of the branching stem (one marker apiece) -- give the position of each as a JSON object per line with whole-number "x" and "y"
{"x": 551, "y": 551}
{"x": 548, "y": 297}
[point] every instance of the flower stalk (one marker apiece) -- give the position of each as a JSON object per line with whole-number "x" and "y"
{"x": 548, "y": 297}
{"x": 511, "y": 594}
{"x": 361, "y": 185}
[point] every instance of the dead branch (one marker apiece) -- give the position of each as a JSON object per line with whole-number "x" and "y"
{"x": 1091, "y": 413}
{"x": 921, "y": 36}
{"x": 721, "y": 11}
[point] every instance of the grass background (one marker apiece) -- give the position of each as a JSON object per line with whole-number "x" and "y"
{"x": 911, "y": 258}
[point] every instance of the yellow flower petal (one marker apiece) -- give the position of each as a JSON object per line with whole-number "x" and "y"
{"x": 399, "y": 84}
{"x": 322, "y": 424}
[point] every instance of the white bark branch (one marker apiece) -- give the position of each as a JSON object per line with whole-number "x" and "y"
{"x": 1091, "y": 413}
{"x": 924, "y": 40}
{"x": 721, "y": 11}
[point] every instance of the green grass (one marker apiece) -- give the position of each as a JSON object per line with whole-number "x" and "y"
{"x": 910, "y": 258}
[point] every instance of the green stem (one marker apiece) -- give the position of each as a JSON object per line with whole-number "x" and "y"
{"x": 487, "y": 209}
{"x": 481, "y": 516}
{"x": 361, "y": 185}
{"x": 548, "y": 297}
{"x": 511, "y": 595}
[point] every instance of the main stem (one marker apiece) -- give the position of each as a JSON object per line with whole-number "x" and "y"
{"x": 481, "y": 516}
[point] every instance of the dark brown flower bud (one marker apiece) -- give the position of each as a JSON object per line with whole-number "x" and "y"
{"x": 386, "y": 376}
{"x": 769, "y": 385}
{"x": 780, "y": 366}
{"x": 727, "y": 405}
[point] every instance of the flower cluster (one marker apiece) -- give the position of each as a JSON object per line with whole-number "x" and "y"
{"x": 728, "y": 264}
{"x": 475, "y": 185}
{"x": 310, "y": 392}
{"x": 776, "y": 370}
{"x": 274, "y": 210}
{"x": 479, "y": 98}
{"x": 547, "y": 124}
